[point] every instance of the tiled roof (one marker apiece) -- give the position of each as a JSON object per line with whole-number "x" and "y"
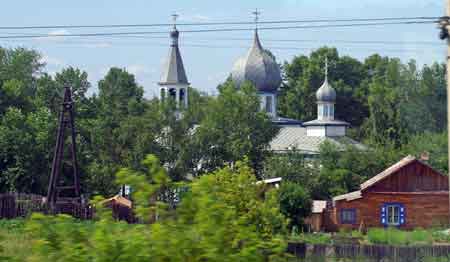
{"x": 294, "y": 137}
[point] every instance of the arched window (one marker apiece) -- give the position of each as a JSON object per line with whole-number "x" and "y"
{"x": 182, "y": 96}
{"x": 269, "y": 104}
{"x": 331, "y": 110}
{"x": 172, "y": 93}
{"x": 325, "y": 110}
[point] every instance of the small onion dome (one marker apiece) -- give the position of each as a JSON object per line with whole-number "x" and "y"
{"x": 174, "y": 33}
{"x": 258, "y": 67}
{"x": 326, "y": 93}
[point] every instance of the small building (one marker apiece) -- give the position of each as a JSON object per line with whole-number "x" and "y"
{"x": 407, "y": 195}
{"x": 315, "y": 220}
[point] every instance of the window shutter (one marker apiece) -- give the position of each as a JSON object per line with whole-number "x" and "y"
{"x": 383, "y": 217}
{"x": 402, "y": 214}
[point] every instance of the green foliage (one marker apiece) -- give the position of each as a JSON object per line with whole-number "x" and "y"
{"x": 234, "y": 128}
{"x": 295, "y": 203}
{"x": 393, "y": 236}
{"x": 316, "y": 238}
{"x": 223, "y": 217}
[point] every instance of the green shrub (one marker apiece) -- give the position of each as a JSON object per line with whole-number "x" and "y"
{"x": 421, "y": 237}
{"x": 394, "y": 236}
{"x": 222, "y": 218}
{"x": 315, "y": 238}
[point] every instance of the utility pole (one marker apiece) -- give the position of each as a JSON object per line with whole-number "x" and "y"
{"x": 444, "y": 35}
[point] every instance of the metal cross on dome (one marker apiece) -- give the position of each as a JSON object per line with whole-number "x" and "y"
{"x": 326, "y": 66}
{"x": 256, "y": 13}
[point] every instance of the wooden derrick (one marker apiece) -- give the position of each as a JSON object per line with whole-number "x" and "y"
{"x": 64, "y": 184}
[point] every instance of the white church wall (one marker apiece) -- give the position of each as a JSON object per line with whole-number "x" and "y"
{"x": 335, "y": 131}
{"x": 316, "y": 131}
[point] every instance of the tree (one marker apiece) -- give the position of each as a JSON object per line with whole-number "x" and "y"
{"x": 295, "y": 203}
{"x": 221, "y": 218}
{"x": 304, "y": 75}
{"x": 233, "y": 129}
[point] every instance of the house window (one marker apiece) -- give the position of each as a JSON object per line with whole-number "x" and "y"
{"x": 348, "y": 216}
{"x": 392, "y": 214}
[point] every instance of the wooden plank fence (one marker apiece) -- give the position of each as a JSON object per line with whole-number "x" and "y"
{"x": 15, "y": 205}
{"x": 357, "y": 252}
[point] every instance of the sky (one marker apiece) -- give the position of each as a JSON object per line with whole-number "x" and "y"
{"x": 209, "y": 57}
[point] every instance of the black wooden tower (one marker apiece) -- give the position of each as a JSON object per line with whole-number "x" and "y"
{"x": 64, "y": 184}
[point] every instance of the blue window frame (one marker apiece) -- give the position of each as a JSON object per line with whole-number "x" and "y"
{"x": 393, "y": 214}
{"x": 348, "y": 216}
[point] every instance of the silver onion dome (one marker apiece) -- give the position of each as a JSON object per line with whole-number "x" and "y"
{"x": 326, "y": 93}
{"x": 258, "y": 67}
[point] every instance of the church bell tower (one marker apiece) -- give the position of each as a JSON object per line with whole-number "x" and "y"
{"x": 174, "y": 84}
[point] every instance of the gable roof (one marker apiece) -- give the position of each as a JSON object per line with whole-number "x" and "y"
{"x": 318, "y": 206}
{"x": 118, "y": 199}
{"x": 391, "y": 170}
{"x": 349, "y": 196}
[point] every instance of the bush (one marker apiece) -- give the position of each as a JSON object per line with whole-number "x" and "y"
{"x": 295, "y": 203}
{"x": 396, "y": 237}
{"x": 221, "y": 218}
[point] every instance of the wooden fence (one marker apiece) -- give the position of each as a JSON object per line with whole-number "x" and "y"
{"x": 319, "y": 252}
{"x": 15, "y": 205}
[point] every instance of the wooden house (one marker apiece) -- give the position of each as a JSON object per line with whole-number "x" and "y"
{"x": 315, "y": 220}
{"x": 407, "y": 195}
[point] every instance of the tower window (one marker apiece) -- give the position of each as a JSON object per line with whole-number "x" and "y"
{"x": 172, "y": 93}
{"x": 182, "y": 96}
{"x": 268, "y": 104}
{"x": 325, "y": 110}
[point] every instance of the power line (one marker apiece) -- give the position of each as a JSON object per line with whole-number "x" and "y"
{"x": 215, "y": 30}
{"x": 222, "y": 23}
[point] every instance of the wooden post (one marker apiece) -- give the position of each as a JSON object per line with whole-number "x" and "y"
{"x": 448, "y": 96}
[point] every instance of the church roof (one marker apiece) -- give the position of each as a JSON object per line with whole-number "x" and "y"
{"x": 294, "y": 137}
{"x": 258, "y": 67}
{"x": 173, "y": 71}
{"x": 326, "y": 122}
{"x": 326, "y": 93}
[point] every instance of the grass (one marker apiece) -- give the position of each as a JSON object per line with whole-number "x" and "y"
{"x": 14, "y": 242}
{"x": 377, "y": 236}
{"x": 395, "y": 237}
{"x": 316, "y": 238}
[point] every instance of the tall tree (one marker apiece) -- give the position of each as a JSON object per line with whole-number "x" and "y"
{"x": 233, "y": 129}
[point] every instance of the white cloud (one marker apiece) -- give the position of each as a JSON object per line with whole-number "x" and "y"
{"x": 138, "y": 69}
{"x": 52, "y": 61}
{"x": 194, "y": 18}
{"x": 97, "y": 45}
{"x": 58, "y": 35}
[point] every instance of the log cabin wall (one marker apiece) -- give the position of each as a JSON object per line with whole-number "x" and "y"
{"x": 421, "y": 209}
{"x": 420, "y": 191}
{"x": 415, "y": 177}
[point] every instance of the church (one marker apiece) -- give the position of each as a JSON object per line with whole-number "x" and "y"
{"x": 259, "y": 67}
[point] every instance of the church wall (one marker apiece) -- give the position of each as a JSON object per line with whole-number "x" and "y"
{"x": 335, "y": 130}
{"x": 316, "y": 131}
